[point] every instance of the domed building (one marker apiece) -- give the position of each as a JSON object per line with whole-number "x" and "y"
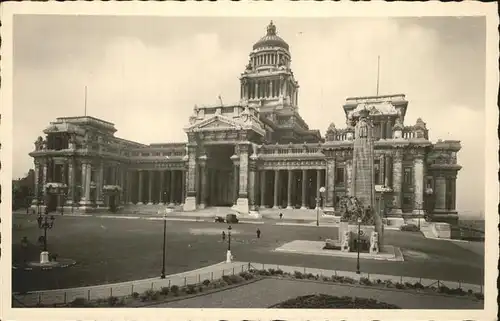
{"x": 253, "y": 156}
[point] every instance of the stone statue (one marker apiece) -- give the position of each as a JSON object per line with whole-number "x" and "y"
{"x": 362, "y": 128}
{"x": 346, "y": 241}
{"x": 374, "y": 249}
{"x": 39, "y": 143}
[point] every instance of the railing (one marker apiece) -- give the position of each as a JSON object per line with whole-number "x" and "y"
{"x": 373, "y": 277}
{"x": 54, "y": 298}
{"x": 290, "y": 149}
{"x": 64, "y": 296}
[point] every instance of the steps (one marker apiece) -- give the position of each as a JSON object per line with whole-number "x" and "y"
{"x": 148, "y": 209}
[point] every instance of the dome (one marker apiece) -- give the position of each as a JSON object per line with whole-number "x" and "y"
{"x": 271, "y": 39}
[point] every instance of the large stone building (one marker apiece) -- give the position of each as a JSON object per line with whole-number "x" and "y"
{"x": 255, "y": 155}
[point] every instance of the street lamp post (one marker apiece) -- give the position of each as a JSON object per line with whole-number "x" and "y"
{"x": 228, "y": 254}
{"x": 46, "y": 223}
{"x": 358, "y": 245}
{"x": 318, "y": 202}
{"x": 164, "y": 244}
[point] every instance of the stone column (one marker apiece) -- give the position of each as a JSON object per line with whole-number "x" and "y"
{"x": 330, "y": 184}
{"x": 162, "y": 177}
{"x": 122, "y": 184}
{"x": 203, "y": 177}
{"x": 276, "y": 189}
{"x": 440, "y": 193}
{"x": 99, "y": 184}
{"x": 397, "y": 171}
{"x": 140, "y": 183}
{"x": 88, "y": 180}
{"x": 71, "y": 182}
{"x": 172, "y": 187}
{"x": 129, "y": 187}
{"x": 382, "y": 169}
{"x": 190, "y": 201}
{"x": 387, "y": 170}
{"x": 263, "y": 189}
{"x": 242, "y": 202}
{"x": 150, "y": 187}
{"x": 349, "y": 174}
{"x": 318, "y": 186}
{"x": 183, "y": 186}
{"x": 36, "y": 185}
{"x": 256, "y": 92}
{"x": 236, "y": 163}
{"x": 44, "y": 181}
{"x": 418, "y": 181}
{"x": 454, "y": 193}
{"x": 84, "y": 183}
{"x": 304, "y": 190}
{"x": 289, "y": 190}
{"x": 252, "y": 168}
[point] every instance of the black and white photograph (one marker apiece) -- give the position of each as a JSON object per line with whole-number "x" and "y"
{"x": 266, "y": 161}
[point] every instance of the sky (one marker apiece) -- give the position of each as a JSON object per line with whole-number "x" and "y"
{"x": 145, "y": 74}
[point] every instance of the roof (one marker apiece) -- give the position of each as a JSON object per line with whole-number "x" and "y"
{"x": 271, "y": 39}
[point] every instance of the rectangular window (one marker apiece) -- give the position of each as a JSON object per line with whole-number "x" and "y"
{"x": 376, "y": 171}
{"x": 339, "y": 176}
{"x": 407, "y": 176}
{"x": 407, "y": 201}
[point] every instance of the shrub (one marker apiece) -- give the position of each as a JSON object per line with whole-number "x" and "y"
{"x": 379, "y": 281}
{"x": 443, "y": 289}
{"x": 298, "y": 275}
{"x": 175, "y": 289}
{"x": 469, "y": 291}
{"x": 400, "y": 286}
{"x": 365, "y": 281}
{"x": 152, "y": 295}
{"x": 479, "y": 296}
{"x": 310, "y": 276}
{"x": 388, "y": 283}
{"x": 190, "y": 289}
{"x": 121, "y": 302}
{"x": 143, "y": 297}
{"x": 279, "y": 272}
{"x": 200, "y": 289}
{"x": 236, "y": 279}
{"x": 272, "y": 271}
{"x": 325, "y": 278}
{"x": 227, "y": 279}
{"x": 112, "y": 300}
{"x": 135, "y": 295}
{"x": 246, "y": 275}
{"x": 164, "y": 290}
{"x": 78, "y": 302}
{"x": 418, "y": 285}
{"x": 206, "y": 282}
{"x": 408, "y": 285}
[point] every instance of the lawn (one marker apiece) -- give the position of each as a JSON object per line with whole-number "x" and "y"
{"x": 113, "y": 250}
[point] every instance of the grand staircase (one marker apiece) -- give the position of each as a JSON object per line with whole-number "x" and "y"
{"x": 153, "y": 209}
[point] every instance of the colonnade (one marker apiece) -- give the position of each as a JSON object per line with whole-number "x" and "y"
{"x": 156, "y": 187}
{"x": 289, "y": 188}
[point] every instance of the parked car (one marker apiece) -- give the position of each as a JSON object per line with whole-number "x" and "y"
{"x": 219, "y": 219}
{"x": 231, "y": 218}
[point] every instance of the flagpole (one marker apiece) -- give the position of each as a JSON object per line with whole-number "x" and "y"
{"x": 85, "y": 101}
{"x": 378, "y": 73}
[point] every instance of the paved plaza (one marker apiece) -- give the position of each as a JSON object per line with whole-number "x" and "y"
{"x": 109, "y": 250}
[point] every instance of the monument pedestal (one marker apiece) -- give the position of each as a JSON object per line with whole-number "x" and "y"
{"x": 241, "y": 205}
{"x": 229, "y": 257}
{"x": 44, "y": 257}
{"x": 190, "y": 204}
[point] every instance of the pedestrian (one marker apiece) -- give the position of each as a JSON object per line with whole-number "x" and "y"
{"x": 281, "y": 216}
{"x": 223, "y": 236}
{"x": 258, "y": 233}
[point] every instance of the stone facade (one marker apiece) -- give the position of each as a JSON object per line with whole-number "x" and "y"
{"x": 257, "y": 153}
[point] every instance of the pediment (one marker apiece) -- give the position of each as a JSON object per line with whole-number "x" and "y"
{"x": 217, "y": 123}
{"x": 214, "y": 123}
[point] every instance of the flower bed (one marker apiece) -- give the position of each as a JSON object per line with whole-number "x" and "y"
{"x": 323, "y": 301}
{"x": 175, "y": 292}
